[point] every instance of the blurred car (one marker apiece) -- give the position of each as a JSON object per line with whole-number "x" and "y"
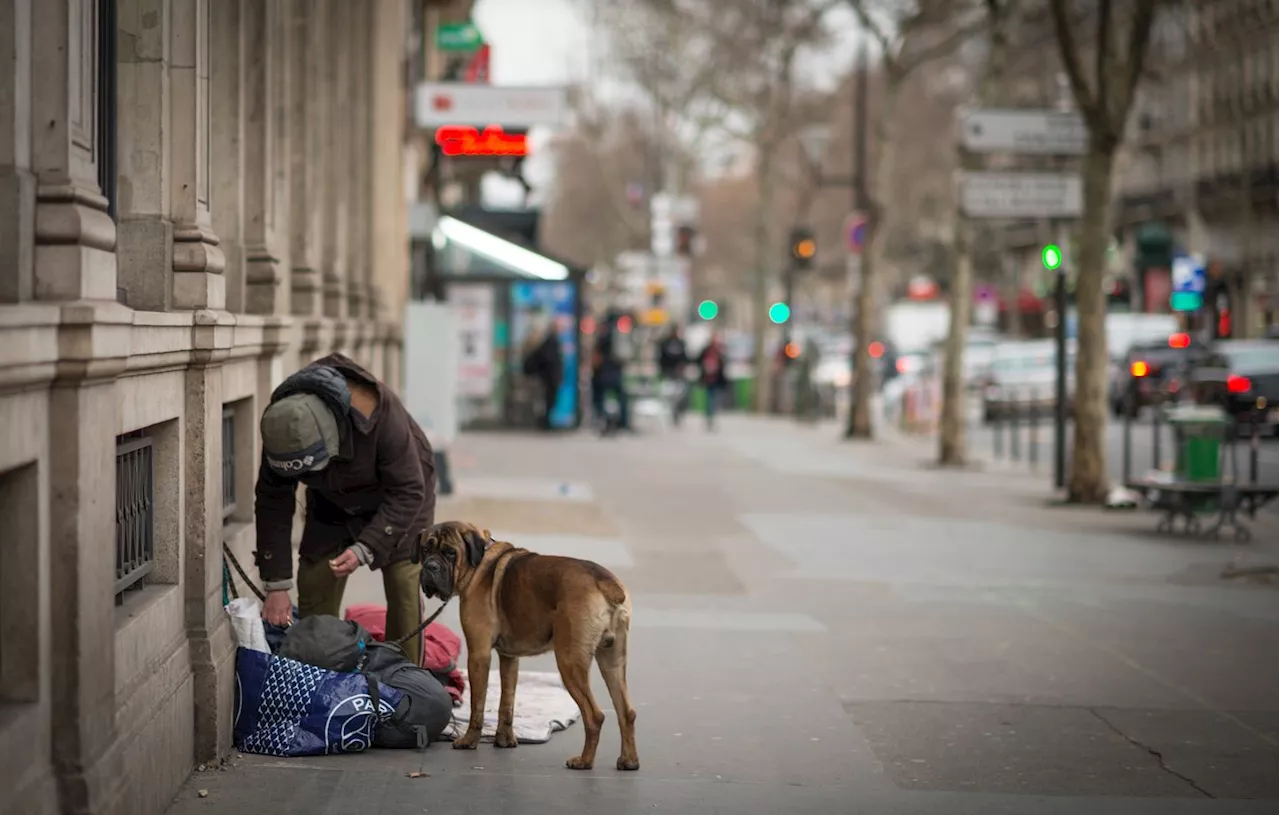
{"x": 1152, "y": 374}
{"x": 1023, "y": 377}
{"x": 1244, "y": 377}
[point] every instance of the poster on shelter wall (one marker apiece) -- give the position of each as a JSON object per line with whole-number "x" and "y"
{"x": 473, "y": 306}
{"x": 536, "y": 305}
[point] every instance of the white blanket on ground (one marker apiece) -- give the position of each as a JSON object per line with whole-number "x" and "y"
{"x": 543, "y": 706}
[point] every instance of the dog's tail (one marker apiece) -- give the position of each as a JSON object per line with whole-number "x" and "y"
{"x": 615, "y": 633}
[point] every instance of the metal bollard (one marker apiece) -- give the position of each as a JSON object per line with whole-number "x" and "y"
{"x": 1126, "y": 443}
{"x": 1015, "y": 453}
{"x": 997, "y": 426}
{"x": 1254, "y": 441}
{"x": 1033, "y": 428}
{"x": 1155, "y": 438}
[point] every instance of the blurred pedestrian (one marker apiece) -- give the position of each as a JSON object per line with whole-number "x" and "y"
{"x": 608, "y": 374}
{"x": 673, "y": 356}
{"x": 673, "y": 361}
{"x": 711, "y": 368}
{"x": 544, "y": 362}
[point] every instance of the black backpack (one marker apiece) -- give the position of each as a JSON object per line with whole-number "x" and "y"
{"x": 426, "y": 709}
{"x": 326, "y": 642}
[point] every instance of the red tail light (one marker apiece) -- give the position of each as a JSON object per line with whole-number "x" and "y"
{"x": 1238, "y": 384}
{"x": 1179, "y": 340}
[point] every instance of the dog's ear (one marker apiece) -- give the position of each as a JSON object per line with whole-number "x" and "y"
{"x": 475, "y": 544}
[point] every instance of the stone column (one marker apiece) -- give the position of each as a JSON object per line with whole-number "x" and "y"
{"x": 197, "y": 260}
{"x": 144, "y": 232}
{"x": 75, "y": 236}
{"x": 306, "y": 152}
{"x": 209, "y": 631}
{"x": 281, "y": 47}
{"x": 360, "y": 165}
{"x": 228, "y": 63}
{"x": 17, "y": 182}
{"x": 82, "y": 544}
{"x": 264, "y": 269}
{"x": 389, "y": 251}
{"x": 73, "y": 260}
{"x": 337, "y": 166}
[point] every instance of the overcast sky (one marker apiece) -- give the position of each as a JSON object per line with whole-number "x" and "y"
{"x": 549, "y": 42}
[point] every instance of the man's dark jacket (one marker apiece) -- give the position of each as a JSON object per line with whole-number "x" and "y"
{"x": 380, "y": 490}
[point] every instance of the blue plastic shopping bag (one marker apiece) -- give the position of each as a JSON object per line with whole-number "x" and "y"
{"x": 289, "y": 708}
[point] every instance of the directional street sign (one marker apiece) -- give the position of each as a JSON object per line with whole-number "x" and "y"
{"x": 464, "y": 37}
{"x": 855, "y": 230}
{"x": 987, "y": 194}
{"x": 1187, "y": 274}
{"x": 1026, "y": 132}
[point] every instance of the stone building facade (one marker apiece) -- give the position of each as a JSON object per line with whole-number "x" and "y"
{"x": 1198, "y": 169}
{"x": 196, "y": 197}
{"x": 1202, "y": 155}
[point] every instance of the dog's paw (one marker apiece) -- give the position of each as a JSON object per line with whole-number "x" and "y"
{"x": 625, "y": 763}
{"x": 505, "y": 739}
{"x": 578, "y": 763}
{"x": 467, "y": 742}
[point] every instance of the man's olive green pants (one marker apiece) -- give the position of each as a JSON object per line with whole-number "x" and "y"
{"x": 319, "y": 592}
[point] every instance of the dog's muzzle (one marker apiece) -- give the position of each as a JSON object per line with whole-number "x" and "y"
{"x": 436, "y": 580}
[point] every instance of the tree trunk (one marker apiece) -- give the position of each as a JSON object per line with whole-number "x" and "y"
{"x": 951, "y": 431}
{"x": 1088, "y": 479}
{"x": 760, "y": 280}
{"x": 865, "y": 313}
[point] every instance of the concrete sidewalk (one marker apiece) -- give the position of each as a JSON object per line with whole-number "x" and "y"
{"x": 824, "y": 627}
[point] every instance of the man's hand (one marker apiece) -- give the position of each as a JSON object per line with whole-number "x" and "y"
{"x": 345, "y": 563}
{"x": 278, "y": 608}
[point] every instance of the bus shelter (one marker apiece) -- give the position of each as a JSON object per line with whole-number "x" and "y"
{"x": 505, "y": 295}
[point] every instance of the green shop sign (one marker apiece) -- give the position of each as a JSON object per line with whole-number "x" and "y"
{"x": 458, "y": 37}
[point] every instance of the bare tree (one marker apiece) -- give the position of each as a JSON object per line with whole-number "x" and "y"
{"x": 757, "y": 93}
{"x": 909, "y": 33}
{"x": 951, "y": 434}
{"x": 725, "y": 68}
{"x": 589, "y": 218}
{"x": 1103, "y": 88}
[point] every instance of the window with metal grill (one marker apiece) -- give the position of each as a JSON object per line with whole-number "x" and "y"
{"x": 228, "y": 463}
{"x": 135, "y": 511}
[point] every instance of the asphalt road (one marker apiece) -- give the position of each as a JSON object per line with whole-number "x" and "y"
{"x": 832, "y": 627}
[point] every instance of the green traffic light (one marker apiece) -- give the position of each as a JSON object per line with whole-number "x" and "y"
{"x": 1051, "y": 257}
{"x": 779, "y": 312}
{"x": 708, "y": 309}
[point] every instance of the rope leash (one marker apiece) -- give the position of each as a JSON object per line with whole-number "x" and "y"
{"x": 415, "y": 632}
{"x": 235, "y": 564}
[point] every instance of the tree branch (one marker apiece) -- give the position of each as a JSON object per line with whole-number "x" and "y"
{"x": 942, "y": 47}
{"x": 1071, "y": 64}
{"x": 1139, "y": 42}
{"x": 1102, "y": 57}
{"x": 886, "y": 46}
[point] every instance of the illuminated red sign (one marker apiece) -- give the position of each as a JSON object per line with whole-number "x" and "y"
{"x": 460, "y": 140}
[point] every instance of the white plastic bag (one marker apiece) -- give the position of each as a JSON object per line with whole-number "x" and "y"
{"x": 246, "y": 624}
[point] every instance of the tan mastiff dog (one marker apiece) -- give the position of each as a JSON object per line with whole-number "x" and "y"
{"x": 521, "y": 604}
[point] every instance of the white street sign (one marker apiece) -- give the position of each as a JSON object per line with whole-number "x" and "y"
{"x": 1028, "y": 132}
{"x": 1021, "y": 195}
{"x": 458, "y": 103}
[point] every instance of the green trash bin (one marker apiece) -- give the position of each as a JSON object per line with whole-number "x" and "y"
{"x": 1198, "y": 433}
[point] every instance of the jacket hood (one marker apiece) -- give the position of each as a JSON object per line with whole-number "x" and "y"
{"x": 350, "y": 368}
